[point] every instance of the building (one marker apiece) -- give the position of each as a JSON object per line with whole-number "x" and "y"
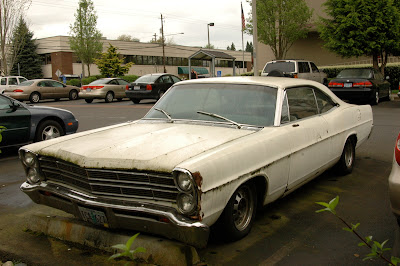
{"x": 147, "y": 58}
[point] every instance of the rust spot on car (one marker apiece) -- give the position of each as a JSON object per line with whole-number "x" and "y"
{"x": 198, "y": 179}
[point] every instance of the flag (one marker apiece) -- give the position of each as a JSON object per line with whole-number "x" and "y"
{"x": 243, "y": 20}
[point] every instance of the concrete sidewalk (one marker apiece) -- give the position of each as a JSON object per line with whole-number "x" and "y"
{"x": 44, "y": 236}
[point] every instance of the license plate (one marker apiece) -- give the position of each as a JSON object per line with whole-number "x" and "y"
{"x": 136, "y": 88}
{"x": 348, "y": 85}
{"x": 94, "y": 216}
{"x": 88, "y": 89}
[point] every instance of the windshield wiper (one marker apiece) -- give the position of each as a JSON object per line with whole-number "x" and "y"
{"x": 220, "y": 117}
{"x": 165, "y": 113}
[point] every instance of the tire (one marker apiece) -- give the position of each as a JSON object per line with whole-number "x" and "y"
{"x": 387, "y": 98}
{"x": 136, "y": 101}
{"x": 73, "y": 95}
{"x": 275, "y": 73}
{"x": 34, "y": 97}
{"x": 109, "y": 97}
{"x": 48, "y": 129}
{"x": 89, "y": 100}
{"x": 375, "y": 99}
{"x": 346, "y": 162}
{"x": 238, "y": 216}
{"x": 325, "y": 82}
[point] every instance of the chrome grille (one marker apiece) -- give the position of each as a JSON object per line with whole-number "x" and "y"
{"x": 111, "y": 183}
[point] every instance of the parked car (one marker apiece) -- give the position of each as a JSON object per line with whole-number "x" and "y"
{"x": 294, "y": 69}
{"x": 209, "y": 150}
{"x": 6, "y": 82}
{"x": 105, "y": 88}
{"x": 150, "y": 86}
{"x": 394, "y": 181}
{"x": 361, "y": 85}
{"x": 21, "y": 124}
{"x": 39, "y": 89}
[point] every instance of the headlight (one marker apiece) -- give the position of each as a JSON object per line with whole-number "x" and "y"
{"x": 184, "y": 182}
{"x": 33, "y": 176}
{"x": 29, "y": 159}
{"x": 186, "y": 203}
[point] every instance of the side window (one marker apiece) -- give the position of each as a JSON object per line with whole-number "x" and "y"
{"x": 325, "y": 103}
{"x": 113, "y": 82}
{"x": 314, "y": 67}
{"x": 301, "y": 102}
{"x": 304, "y": 67}
{"x": 22, "y": 80}
{"x": 122, "y": 82}
{"x": 12, "y": 81}
{"x": 175, "y": 79}
{"x": 165, "y": 79}
{"x": 4, "y": 103}
{"x": 3, "y": 81}
{"x": 41, "y": 84}
{"x": 56, "y": 84}
{"x": 285, "y": 111}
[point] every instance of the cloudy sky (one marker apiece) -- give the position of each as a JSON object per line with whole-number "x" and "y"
{"x": 141, "y": 19}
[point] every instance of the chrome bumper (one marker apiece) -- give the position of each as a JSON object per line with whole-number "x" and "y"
{"x": 143, "y": 217}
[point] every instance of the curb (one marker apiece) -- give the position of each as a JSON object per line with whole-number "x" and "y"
{"x": 158, "y": 251}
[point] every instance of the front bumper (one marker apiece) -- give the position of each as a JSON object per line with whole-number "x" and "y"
{"x": 143, "y": 217}
{"x": 394, "y": 189}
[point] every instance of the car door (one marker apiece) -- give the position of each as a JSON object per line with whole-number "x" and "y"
{"x": 304, "y": 70}
{"x": 14, "y": 123}
{"x": 121, "y": 91}
{"x": 316, "y": 74}
{"x": 307, "y": 133}
{"x": 165, "y": 82}
{"x": 59, "y": 90}
{"x": 45, "y": 89}
{"x": 114, "y": 86}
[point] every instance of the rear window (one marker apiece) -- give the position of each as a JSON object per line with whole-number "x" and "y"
{"x": 355, "y": 73}
{"x": 99, "y": 81}
{"x": 26, "y": 83}
{"x": 147, "y": 78}
{"x": 283, "y": 66}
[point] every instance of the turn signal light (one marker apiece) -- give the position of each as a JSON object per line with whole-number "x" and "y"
{"x": 149, "y": 87}
{"x": 397, "y": 150}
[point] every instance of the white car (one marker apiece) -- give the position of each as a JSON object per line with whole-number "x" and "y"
{"x": 10, "y": 81}
{"x": 394, "y": 182}
{"x": 209, "y": 150}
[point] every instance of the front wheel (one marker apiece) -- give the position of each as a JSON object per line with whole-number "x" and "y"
{"x": 73, "y": 95}
{"x": 238, "y": 216}
{"x": 375, "y": 99}
{"x": 346, "y": 162}
{"x": 49, "y": 129}
{"x": 136, "y": 101}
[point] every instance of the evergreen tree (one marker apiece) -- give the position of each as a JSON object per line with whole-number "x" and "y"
{"x": 110, "y": 63}
{"x": 27, "y": 58}
{"x": 249, "y": 47}
{"x": 232, "y": 48}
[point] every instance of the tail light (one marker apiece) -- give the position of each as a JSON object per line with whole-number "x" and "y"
{"x": 295, "y": 76}
{"x": 335, "y": 84}
{"x": 149, "y": 87}
{"x": 362, "y": 84}
{"x": 91, "y": 87}
{"x": 397, "y": 150}
{"x": 127, "y": 88}
{"x": 18, "y": 90}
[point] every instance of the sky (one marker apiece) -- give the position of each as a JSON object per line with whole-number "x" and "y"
{"x": 142, "y": 19}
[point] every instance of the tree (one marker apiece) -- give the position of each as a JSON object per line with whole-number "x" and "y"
{"x": 280, "y": 23}
{"x": 169, "y": 41}
{"x": 110, "y": 63}
{"x": 127, "y": 38}
{"x": 209, "y": 46}
{"x": 27, "y": 58}
{"x": 85, "y": 37}
{"x": 362, "y": 27}
{"x": 10, "y": 13}
{"x": 249, "y": 47}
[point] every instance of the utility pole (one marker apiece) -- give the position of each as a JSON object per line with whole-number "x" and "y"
{"x": 155, "y": 37}
{"x": 163, "y": 44}
{"x": 255, "y": 37}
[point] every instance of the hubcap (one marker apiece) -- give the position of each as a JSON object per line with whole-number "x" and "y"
{"x": 243, "y": 208}
{"x": 50, "y": 132}
{"x": 109, "y": 97}
{"x": 35, "y": 98}
{"x": 348, "y": 155}
{"x": 376, "y": 97}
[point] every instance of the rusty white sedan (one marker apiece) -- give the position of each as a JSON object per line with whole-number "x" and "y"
{"x": 208, "y": 153}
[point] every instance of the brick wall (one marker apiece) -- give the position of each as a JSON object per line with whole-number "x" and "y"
{"x": 61, "y": 61}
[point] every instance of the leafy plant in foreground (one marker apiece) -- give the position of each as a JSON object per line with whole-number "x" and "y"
{"x": 126, "y": 249}
{"x": 377, "y": 249}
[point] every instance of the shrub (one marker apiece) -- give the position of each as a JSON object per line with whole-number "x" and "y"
{"x": 129, "y": 78}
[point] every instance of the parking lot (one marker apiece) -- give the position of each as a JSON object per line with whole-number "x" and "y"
{"x": 287, "y": 232}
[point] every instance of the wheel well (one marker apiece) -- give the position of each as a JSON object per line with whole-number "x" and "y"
{"x": 35, "y": 92}
{"x": 353, "y": 139}
{"x": 261, "y": 186}
{"x": 111, "y": 92}
{"x": 51, "y": 118}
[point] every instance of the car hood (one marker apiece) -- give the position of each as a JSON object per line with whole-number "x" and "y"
{"x": 142, "y": 146}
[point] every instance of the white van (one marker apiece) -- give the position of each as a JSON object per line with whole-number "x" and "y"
{"x": 6, "y": 82}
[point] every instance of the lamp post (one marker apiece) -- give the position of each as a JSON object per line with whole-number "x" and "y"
{"x": 208, "y": 31}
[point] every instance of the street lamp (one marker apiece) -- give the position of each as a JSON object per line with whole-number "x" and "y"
{"x": 208, "y": 31}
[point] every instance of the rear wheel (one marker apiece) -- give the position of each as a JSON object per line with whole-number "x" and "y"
{"x": 375, "y": 99}
{"x": 238, "y": 216}
{"x": 387, "y": 98}
{"x": 88, "y": 100}
{"x": 34, "y": 97}
{"x": 346, "y": 162}
{"x": 109, "y": 97}
{"x": 73, "y": 95}
{"x": 49, "y": 129}
{"x": 136, "y": 101}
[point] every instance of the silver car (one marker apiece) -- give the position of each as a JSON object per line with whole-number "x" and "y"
{"x": 394, "y": 181}
{"x": 105, "y": 88}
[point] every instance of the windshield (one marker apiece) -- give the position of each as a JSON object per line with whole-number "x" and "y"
{"x": 26, "y": 83}
{"x": 147, "y": 78}
{"x": 282, "y": 66}
{"x": 355, "y": 73}
{"x": 242, "y": 104}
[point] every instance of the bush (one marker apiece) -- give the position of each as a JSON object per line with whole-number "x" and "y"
{"x": 74, "y": 82}
{"x": 129, "y": 78}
